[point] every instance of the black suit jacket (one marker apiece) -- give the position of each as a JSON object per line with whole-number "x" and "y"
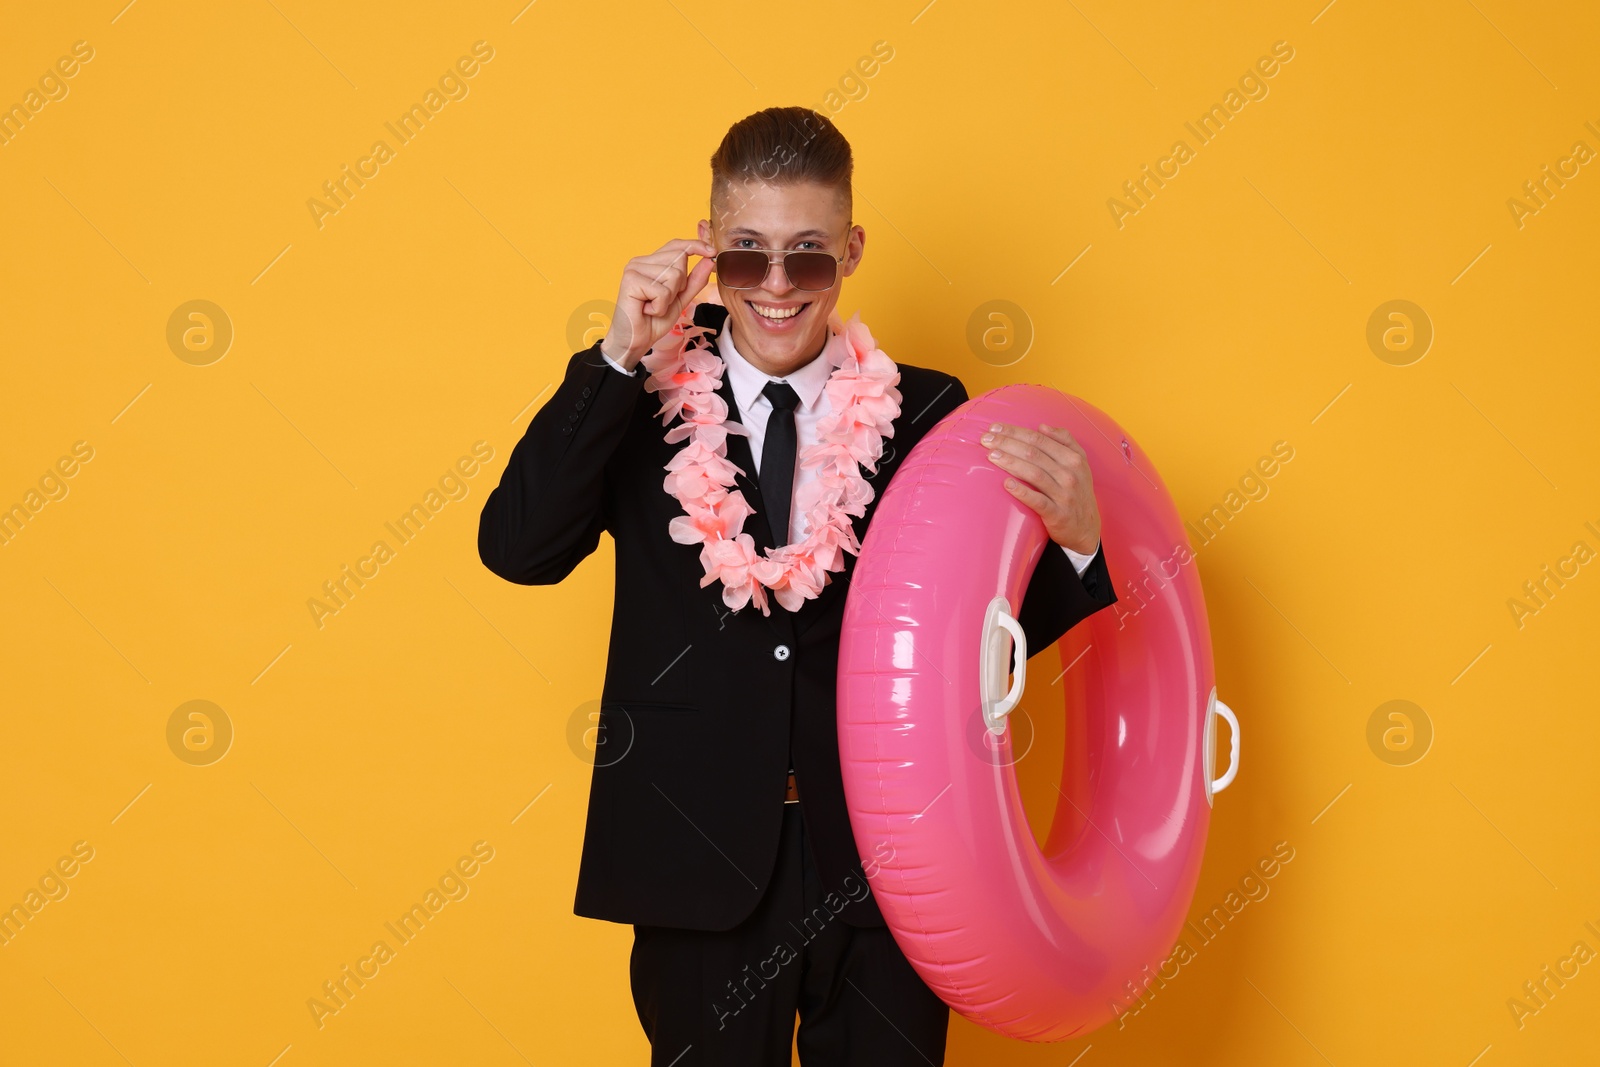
{"x": 709, "y": 705}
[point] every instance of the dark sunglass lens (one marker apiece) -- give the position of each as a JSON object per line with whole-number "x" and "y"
{"x": 811, "y": 271}
{"x": 742, "y": 268}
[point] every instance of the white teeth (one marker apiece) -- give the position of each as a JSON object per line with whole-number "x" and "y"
{"x": 776, "y": 313}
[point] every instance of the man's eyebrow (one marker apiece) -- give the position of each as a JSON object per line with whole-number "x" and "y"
{"x": 746, "y": 231}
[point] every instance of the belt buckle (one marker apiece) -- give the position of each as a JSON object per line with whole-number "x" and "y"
{"x": 791, "y": 794}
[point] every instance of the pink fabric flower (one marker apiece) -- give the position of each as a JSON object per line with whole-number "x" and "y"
{"x": 686, "y": 371}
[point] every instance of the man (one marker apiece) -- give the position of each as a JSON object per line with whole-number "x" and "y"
{"x": 717, "y": 823}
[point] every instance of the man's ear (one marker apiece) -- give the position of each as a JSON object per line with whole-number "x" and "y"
{"x": 705, "y": 230}
{"x": 855, "y": 246}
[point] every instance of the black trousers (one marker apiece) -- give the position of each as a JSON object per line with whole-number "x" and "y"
{"x": 730, "y": 997}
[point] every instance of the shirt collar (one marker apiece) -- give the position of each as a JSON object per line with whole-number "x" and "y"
{"x": 748, "y": 379}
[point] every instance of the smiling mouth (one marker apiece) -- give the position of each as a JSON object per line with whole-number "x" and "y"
{"x": 777, "y": 317}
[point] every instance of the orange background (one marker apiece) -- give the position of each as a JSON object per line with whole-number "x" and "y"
{"x": 363, "y": 758}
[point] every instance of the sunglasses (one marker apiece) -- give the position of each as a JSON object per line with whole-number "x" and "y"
{"x": 808, "y": 271}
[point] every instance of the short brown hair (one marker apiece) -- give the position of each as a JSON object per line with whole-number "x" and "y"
{"x": 783, "y": 145}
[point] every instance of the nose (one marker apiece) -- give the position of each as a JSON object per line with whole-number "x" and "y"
{"x": 777, "y": 279}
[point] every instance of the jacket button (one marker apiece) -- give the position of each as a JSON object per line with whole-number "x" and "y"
{"x": 586, "y": 390}
{"x": 566, "y": 429}
{"x": 780, "y": 653}
{"x": 580, "y": 404}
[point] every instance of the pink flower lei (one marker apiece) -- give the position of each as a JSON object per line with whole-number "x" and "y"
{"x": 861, "y": 391}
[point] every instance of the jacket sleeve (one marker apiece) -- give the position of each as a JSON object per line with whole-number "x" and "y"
{"x": 1057, "y": 597}
{"x": 547, "y": 512}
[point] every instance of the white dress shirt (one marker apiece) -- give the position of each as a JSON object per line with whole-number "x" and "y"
{"x": 754, "y": 409}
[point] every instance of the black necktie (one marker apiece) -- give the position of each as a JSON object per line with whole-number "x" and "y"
{"x": 776, "y": 474}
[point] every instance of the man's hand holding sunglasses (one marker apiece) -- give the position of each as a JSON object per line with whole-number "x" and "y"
{"x": 652, "y": 294}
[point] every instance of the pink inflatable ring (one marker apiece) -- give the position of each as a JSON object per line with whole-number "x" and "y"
{"x": 1038, "y": 944}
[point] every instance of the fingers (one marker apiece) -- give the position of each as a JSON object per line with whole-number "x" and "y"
{"x": 665, "y": 285}
{"x": 699, "y": 276}
{"x": 672, "y": 256}
{"x": 654, "y": 289}
{"x": 668, "y": 267}
{"x": 1049, "y": 472}
{"x": 1059, "y": 433}
{"x": 639, "y": 286}
{"x": 1030, "y": 455}
{"x": 1050, "y": 478}
{"x": 670, "y": 288}
{"x": 1055, "y": 441}
{"x": 1029, "y": 495}
{"x": 684, "y": 245}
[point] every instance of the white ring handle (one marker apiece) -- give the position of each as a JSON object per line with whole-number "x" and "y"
{"x": 993, "y": 656}
{"x": 1233, "y": 747}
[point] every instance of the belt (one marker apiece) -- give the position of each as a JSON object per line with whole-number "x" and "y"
{"x": 791, "y": 795}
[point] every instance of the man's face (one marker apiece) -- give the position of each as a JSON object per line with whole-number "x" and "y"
{"x": 801, "y": 216}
